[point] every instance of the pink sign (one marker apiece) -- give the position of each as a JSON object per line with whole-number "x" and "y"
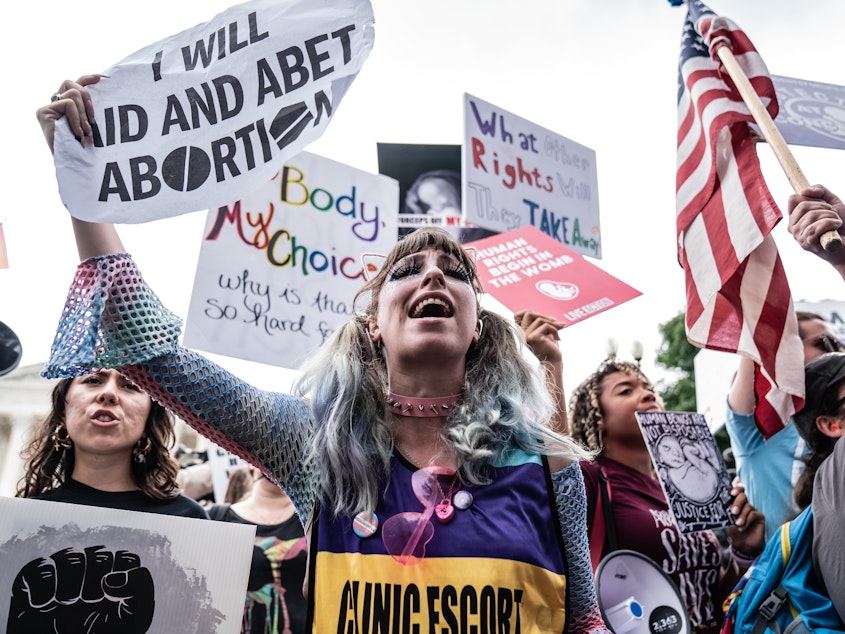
{"x": 527, "y": 270}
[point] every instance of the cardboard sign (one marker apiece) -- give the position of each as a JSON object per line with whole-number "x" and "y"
{"x": 690, "y": 468}
{"x": 197, "y": 119}
{"x": 517, "y": 173}
{"x": 278, "y": 269}
{"x": 526, "y": 269}
{"x": 173, "y": 574}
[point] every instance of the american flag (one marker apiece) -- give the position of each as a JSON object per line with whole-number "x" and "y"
{"x": 738, "y": 299}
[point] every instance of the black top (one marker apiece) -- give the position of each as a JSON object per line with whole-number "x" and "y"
{"x": 73, "y": 492}
{"x": 274, "y": 602}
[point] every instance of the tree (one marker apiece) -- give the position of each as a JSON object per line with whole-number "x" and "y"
{"x": 677, "y": 355}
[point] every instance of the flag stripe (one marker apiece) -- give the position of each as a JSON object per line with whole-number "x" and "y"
{"x": 738, "y": 299}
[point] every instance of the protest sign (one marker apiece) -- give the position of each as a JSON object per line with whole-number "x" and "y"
{"x": 526, "y": 269}
{"x": 223, "y": 464}
{"x": 517, "y": 173}
{"x": 429, "y": 188}
{"x": 142, "y": 571}
{"x": 811, "y": 113}
{"x": 690, "y": 468}
{"x": 278, "y": 269}
{"x": 197, "y": 119}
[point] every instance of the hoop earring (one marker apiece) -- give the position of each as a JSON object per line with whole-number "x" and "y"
{"x": 480, "y": 328}
{"x": 141, "y": 449}
{"x": 60, "y": 437}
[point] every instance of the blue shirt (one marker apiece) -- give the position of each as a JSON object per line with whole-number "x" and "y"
{"x": 769, "y": 468}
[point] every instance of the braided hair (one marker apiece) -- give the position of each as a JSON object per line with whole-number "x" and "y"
{"x": 585, "y": 415}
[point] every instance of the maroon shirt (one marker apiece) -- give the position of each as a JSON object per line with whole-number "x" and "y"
{"x": 644, "y": 524}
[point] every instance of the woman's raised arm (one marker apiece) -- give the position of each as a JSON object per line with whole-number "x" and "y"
{"x": 72, "y": 105}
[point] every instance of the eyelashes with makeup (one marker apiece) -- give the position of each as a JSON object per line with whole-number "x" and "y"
{"x": 409, "y": 268}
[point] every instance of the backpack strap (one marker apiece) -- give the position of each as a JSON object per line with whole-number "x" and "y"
{"x": 597, "y": 533}
{"x": 610, "y": 525}
{"x": 778, "y": 597}
{"x": 769, "y": 610}
{"x": 603, "y": 525}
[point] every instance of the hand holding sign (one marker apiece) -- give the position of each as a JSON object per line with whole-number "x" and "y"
{"x": 541, "y": 335}
{"x": 94, "y": 591}
{"x": 198, "y": 118}
{"x": 72, "y": 102}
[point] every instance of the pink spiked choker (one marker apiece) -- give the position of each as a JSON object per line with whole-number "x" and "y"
{"x": 421, "y": 407}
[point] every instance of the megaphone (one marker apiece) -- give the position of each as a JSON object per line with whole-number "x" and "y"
{"x": 10, "y": 349}
{"x": 636, "y": 597}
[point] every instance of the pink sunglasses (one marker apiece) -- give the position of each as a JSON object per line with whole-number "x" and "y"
{"x": 405, "y": 535}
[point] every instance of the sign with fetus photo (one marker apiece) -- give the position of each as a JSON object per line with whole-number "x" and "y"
{"x": 69, "y": 569}
{"x": 429, "y": 179}
{"x": 690, "y": 469}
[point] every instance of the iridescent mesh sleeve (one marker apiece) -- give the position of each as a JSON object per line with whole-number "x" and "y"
{"x": 267, "y": 429}
{"x": 113, "y": 320}
{"x": 572, "y": 512}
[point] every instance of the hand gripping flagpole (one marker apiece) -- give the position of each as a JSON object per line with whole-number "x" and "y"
{"x": 830, "y": 240}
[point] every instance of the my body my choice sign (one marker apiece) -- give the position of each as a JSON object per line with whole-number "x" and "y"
{"x": 278, "y": 269}
{"x": 197, "y": 119}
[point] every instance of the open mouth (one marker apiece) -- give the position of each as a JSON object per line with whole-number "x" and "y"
{"x": 431, "y": 307}
{"x": 104, "y": 417}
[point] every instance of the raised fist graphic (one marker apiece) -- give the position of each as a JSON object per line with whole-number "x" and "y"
{"x": 92, "y": 591}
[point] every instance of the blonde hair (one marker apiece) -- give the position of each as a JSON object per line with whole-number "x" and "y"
{"x": 505, "y": 405}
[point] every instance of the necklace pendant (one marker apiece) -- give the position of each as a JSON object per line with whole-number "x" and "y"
{"x": 444, "y": 511}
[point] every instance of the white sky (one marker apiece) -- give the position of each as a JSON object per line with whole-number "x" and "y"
{"x": 601, "y": 73}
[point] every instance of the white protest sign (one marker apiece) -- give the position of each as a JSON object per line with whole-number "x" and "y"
{"x": 223, "y": 464}
{"x": 517, "y": 173}
{"x": 690, "y": 468}
{"x": 278, "y": 269}
{"x": 162, "y": 573}
{"x": 193, "y": 121}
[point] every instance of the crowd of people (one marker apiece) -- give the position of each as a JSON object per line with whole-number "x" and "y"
{"x": 421, "y": 435}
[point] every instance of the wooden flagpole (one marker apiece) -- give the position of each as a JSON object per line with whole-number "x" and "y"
{"x": 830, "y": 240}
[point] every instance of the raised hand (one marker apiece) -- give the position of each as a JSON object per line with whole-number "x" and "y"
{"x": 93, "y": 591}
{"x": 541, "y": 335}
{"x": 813, "y": 212}
{"x": 73, "y": 102}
